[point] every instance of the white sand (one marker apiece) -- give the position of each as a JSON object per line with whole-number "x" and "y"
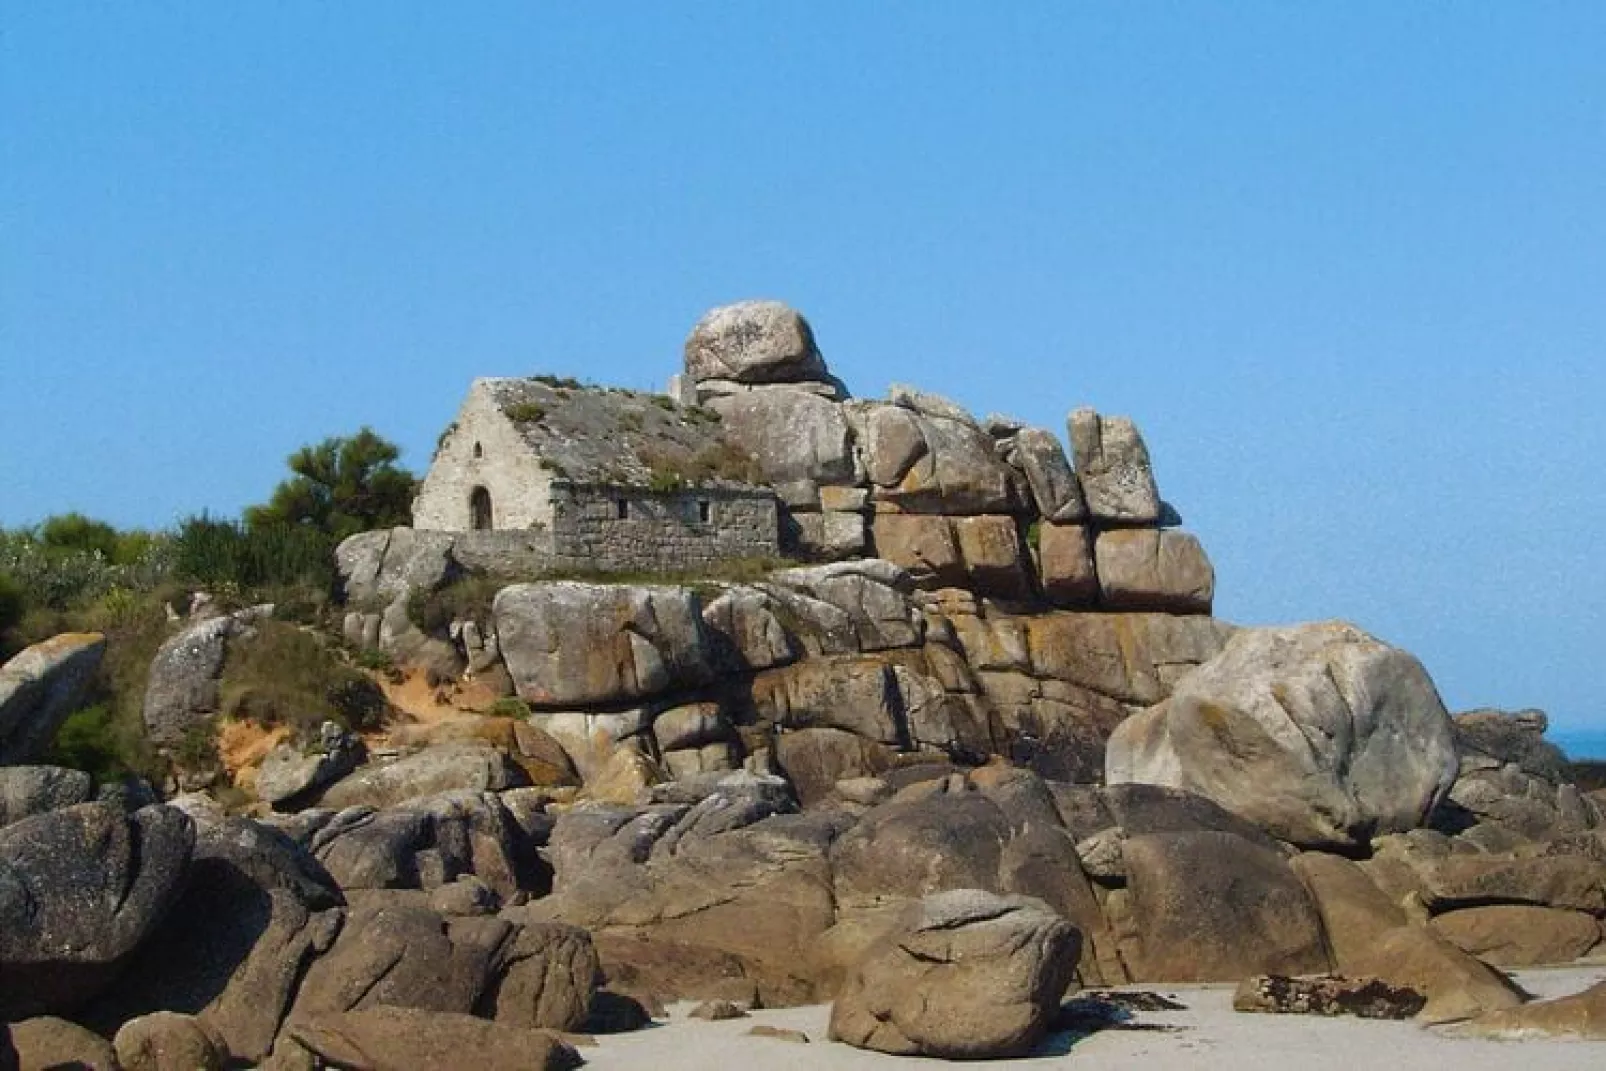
{"x": 1210, "y": 1035}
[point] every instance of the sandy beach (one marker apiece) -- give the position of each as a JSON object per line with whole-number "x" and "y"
{"x": 1207, "y": 1035}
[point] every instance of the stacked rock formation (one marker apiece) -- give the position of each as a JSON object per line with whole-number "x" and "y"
{"x": 992, "y": 506}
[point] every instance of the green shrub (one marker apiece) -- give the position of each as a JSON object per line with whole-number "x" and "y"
{"x": 468, "y": 597}
{"x": 285, "y": 675}
{"x": 525, "y": 412}
{"x": 563, "y": 383}
{"x": 665, "y": 481}
{"x": 197, "y": 749}
{"x": 509, "y": 707}
{"x": 62, "y": 576}
{"x": 12, "y": 608}
{"x": 89, "y": 740}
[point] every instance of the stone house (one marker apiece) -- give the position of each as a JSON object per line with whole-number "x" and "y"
{"x": 595, "y": 478}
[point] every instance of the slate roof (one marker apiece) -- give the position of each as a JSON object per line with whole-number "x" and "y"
{"x": 609, "y": 435}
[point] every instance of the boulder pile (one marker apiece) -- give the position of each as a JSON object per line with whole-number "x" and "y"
{"x": 998, "y": 751}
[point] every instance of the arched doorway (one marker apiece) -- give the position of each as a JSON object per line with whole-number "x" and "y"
{"x": 479, "y": 509}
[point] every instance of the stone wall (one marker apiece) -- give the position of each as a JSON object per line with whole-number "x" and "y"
{"x": 618, "y": 528}
{"x": 482, "y": 448}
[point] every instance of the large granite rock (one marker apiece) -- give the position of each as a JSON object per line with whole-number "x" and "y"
{"x": 1065, "y": 565}
{"x": 1519, "y": 935}
{"x": 168, "y": 1041}
{"x": 39, "y": 687}
{"x": 964, "y": 975}
{"x": 1494, "y": 738}
{"x": 289, "y": 773}
{"x": 256, "y": 910}
{"x": 1113, "y": 466}
{"x": 1153, "y": 569}
{"x": 754, "y": 342}
{"x": 799, "y": 440}
{"x": 516, "y": 970}
{"x": 1055, "y": 490}
{"x": 982, "y": 553}
{"x": 182, "y": 689}
{"x": 569, "y": 643}
{"x": 470, "y": 767}
{"x": 29, "y": 790}
{"x": 384, "y": 1038}
{"x": 726, "y": 887}
{"x": 1319, "y": 733}
{"x": 924, "y": 463}
{"x": 46, "y": 1043}
{"x": 1369, "y": 935}
{"x": 1210, "y": 906}
{"x": 80, "y": 888}
{"x": 380, "y": 567}
{"x": 1581, "y": 1016}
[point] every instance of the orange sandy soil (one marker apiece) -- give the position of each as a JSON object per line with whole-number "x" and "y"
{"x": 243, "y": 745}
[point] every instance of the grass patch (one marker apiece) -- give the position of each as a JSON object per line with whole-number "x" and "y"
{"x": 509, "y": 707}
{"x": 286, "y": 675}
{"x": 468, "y": 597}
{"x": 717, "y": 461}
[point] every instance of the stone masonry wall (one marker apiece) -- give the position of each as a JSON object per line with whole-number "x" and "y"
{"x": 617, "y": 528}
{"x": 482, "y": 448}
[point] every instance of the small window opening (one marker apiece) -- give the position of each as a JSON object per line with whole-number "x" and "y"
{"x": 705, "y": 511}
{"x": 479, "y": 451}
{"x": 623, "y": 508}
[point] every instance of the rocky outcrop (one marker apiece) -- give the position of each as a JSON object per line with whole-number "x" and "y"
{"x": 39, "y": 687}
{"x": 1113, "y": 466}
{"x": 753, "y": 342}
{"x": 800, "y": 440}
{"x": 182, "y": 688}
{"x": 168, "y": 1041}
{"x": 1369, "y": 935}
{"x": 1153, "y": 569}
{"x": 1519, "y": 935}
{"x": 1492, "y": 739}
{"x": 568, "y": 643}
{"x": 465, "y": 767}
{"x": 1581, "y": 1016}
{"x": 1319, "y": 733}
{"x": 517, "y": 971}
{"x": 79, "y": 889}
{"x": 1213, "y": 906}
{"x": 289, "y": 773}
{"x": 254, "y": 912}
{"x": 29, "y": 790}
{"x": 384, "y": 1038}
{"x": 1056, "y": 492}
{"x": 47, "y": 1042}
{"x": 963, "y": 975}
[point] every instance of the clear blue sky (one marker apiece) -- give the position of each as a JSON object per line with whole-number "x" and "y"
{"x": 1345, "y": 263}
